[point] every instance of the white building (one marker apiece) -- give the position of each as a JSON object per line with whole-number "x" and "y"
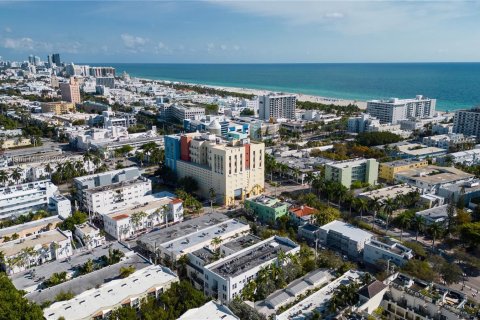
{"x": 375, "y": 251}
{"x": 60, "y": 205}
{"x": 124, "y": 221}
{"x": 467, "y": 122}
{"x": 468, "y": 157}
{"x": 34, "y": 250}
{"x": 89, "y": 235}
{"x": 446, "y": 141}
{"x": 344, "y": 237}
{"x": 98, "y": 303}
{"x": 393, "y": 110}
{"x": 169, "y": 244}
{"x": 277, "y": 106}
{"x": 433, "y": 215}
{"x": 23, "y": 198}
{"x": 209, "y": 311}
{"x": 226, "y": 277}
{"x": 120, "y": 187}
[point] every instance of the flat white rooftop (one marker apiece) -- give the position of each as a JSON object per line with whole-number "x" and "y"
{"x": 14, "y": 247}
{"x": 210, "y": 311}
{"x": 347, "y": 230}
{"x": 94, "y": 301}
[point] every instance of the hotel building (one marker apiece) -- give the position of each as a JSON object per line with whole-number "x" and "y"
{"x": 348, "y": 171}
{"x": 233, "y": 169}
{"x": 393, "y": 110}
{"x": 277, "y": 106}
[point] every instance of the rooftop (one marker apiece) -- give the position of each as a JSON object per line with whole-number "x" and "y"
{"x": 26, "y": 281}
{"x": 435, "y": 174}
{"x": 251, "y": 257}
{"x": 389, "y": 192}
{"x": 117, "y": 185}
{"x": 115, "y": 292}
{"x": 318, "y": 300}
{"x": 394, "y": 247}
{"x": 191, "y": 232}
{"x": 303, "y": 211}
{"x": 371, "y": 290}
{"x": 348, "y": 163}
{"x": 210, "y": 311}
{"x": 404, "y": 162}
{"x": 435, "y": 212}
{"x": 32, "y": 224}
{"x": 415, "y": 149}
{"x": 464, "y": 187}
{"x": 347, "y": 230}
{"x": 14, "y": 247}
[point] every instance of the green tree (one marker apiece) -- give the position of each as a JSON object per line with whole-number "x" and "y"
{"x": 124, "y": 313}
{"x": 13, "y": 305}
{"x": 180, "y": 297}
{"x": 419, "y": 269}
{"x": 126, "y": 271}
{"x": 327, "y": 215}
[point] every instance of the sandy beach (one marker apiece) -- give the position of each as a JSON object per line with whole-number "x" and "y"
{"x": 300, "y": 97}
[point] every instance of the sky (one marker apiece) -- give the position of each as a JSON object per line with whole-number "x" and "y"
{"x": 242, "y": 31}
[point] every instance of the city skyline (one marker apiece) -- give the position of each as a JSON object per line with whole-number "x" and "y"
{"x": 241, "y": 31}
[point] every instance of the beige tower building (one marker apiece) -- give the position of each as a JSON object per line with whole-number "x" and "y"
{"x": 233, "y": 168}
{"x": 71, "y": 91}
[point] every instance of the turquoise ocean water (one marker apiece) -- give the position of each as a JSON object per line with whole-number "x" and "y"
{"x": 454, "y": 85}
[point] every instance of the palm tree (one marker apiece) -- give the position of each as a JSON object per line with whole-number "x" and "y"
{"x": 216, "y": 242}
{"x": 16, "y": 175}
{"x": 374, "y": 205}
{"x": 48, "y": 168}
{"x": 435, "y": 230}
{"x": 3, "y": 177}
{"x": 389, "y": 206}
{"x": 404, "y": 222}
{"x": 137, "y": 218}
{"x": 361, "y": 205}
{"x": 419, "y": 223}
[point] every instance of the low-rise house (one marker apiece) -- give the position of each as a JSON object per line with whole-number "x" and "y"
{"x": 309, "y": 232}
{"x": 302, "y": 215}
{"x": 387, "y": 170}
{"x": 24, "y": 253}
{"x": 345, "y": 238}
{"x": 417, "y": 151}
{"x": 370, "y": 296}
{"x": 267, "y": 209}
{"x": 124, "y": 221}
{"x": 467, "y": 157}
{"x": 89, "y": 235}
{"x": 461, "y": 191}
{"x": 98, "y": 303}
{"x": 375, "y": 251}
{"x": 388, "y": 193}
{"x": 29, "y": 228}
{"x": 437, "y": 215}
{"x": 449, "y": 141}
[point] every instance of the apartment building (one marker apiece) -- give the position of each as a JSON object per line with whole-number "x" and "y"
{"x": 60, "y": 107}
{"x": 447, "y": 141}
{"x": 89, "y": 235}
{"x": 71, "y": 91}
{"x": 429, "y": 179}
{"x": 411, "y": 298}
{"x": 225, "y": 278}
{"x": 119, "y": 187}
{"x": 344, "y": 237}
{"x": 464, "y": 191}
{"x": 23, "y": 198}
{"x": 467, "y": 122}
{"x": 277, "y": 106}
{"x": 387, "y": 170}
{"x": 267, "y": 209}
{"x": 376, "y": 251}
{"x": 98, "y": 303}
{"x": 394, "y": 110}
{"x": 233, "y": 169}
{"x": 170, "y": 243}
{"x": 348, "y": 171}
{"x": 124, "y": 221}
{"x": 37, "y": 249}
{"x": 29, "y": 228}
{"x": 108, "y": 82}
{"x": 467, "y": 157}
{"x": 102, "y": 71}
{"x": 14, "y": 143}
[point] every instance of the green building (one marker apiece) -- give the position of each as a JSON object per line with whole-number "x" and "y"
{"x": 267, "y": 209}
{"x": 348, "y": 171}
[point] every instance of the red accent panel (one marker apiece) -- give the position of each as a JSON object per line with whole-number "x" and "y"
{"x": 247, "y": 156}
{"x": 185, "y": 148}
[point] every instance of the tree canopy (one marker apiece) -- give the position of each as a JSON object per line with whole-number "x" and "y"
{"x": 13, "y": 305}
{"x": 377, "y": 138}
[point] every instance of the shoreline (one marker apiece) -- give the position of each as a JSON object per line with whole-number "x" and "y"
{"x": 362, "y": 105}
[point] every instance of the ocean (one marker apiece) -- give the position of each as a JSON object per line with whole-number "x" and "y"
{"x": 454, "y": 85}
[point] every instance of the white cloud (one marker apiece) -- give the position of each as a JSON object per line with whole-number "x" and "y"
{"x": 25, "y": 43}
{"x": 236, "y": 47}
{"x": 133, "y": 42}
{"x": 8, "y": 29}
{"x": 223, "y": 47}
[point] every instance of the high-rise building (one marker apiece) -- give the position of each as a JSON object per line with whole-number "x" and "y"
{"x": 233, "y": 169}
{"x": 71, "y": 91}
{"x": 56, "y": 59}
{"x": 277, "y": 106}
{"x": 49, "y": 60}
{"x": 467, "y": 122}
{"x": 394, "y": 109}
{"x": 102, "y": 72}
